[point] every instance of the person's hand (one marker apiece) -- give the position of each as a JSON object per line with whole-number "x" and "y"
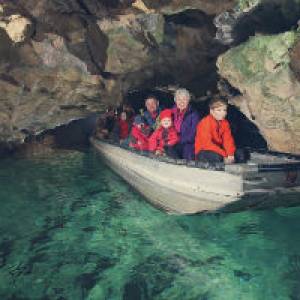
{"x": 158, "y": 152}
{"x": 229, "y": 159}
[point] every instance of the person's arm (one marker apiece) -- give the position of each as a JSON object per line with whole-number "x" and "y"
{"x": 204, "y": 140}
{"x": 173, "y": 137}
{"x": 228, "y": 141}
{"x": 150, "y": 122}
{"x": 189, "y": 136}
{"x": 133, "y": 138}
{"x": 152, "y": 141}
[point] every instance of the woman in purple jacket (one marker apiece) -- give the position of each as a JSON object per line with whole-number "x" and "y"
{"x": 185, "y": 122}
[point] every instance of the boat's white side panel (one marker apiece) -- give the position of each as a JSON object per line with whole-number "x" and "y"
{"x": 176, "y": 188}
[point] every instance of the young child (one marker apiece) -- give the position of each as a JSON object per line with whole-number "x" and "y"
{"x": 139, "y": 134}
{"x": 164, "y": 138}
{"x": 123, "y": 124}
{"x": 214, "y": 141}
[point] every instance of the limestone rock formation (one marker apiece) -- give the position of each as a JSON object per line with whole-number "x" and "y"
{"x": 251, "y": 16}
{"x": 260, "y": 69}
{"x": 62, "y": 60}
{"x": 17, "y": 27}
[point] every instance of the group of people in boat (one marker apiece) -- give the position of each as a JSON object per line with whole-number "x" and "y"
{"x": 176, "y": 132}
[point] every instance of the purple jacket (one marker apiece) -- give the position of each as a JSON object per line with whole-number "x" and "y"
{"x": 188, "y": 132}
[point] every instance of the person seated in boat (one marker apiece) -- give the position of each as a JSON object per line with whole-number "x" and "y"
{"x": 214, "y": 142}
{"x": 139, "y": 134}
{"x": 185, "y": 122}
{"x": 151, "y": 115}
{"x": 105, "y": 124}
{"x": 130, "y": 113}
{"x": 122, "y": 127}
{"x": 163, "y": 139}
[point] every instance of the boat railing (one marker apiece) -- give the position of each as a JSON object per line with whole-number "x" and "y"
{"x": 234, "y": 168}
{"x": 167, "y": 159}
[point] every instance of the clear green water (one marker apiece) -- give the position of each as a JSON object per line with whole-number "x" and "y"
{"x": 72, "y": 229}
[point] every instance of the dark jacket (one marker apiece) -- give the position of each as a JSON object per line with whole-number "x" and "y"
{"x": 187, "y": 132}
{"x": 149, "y": 120}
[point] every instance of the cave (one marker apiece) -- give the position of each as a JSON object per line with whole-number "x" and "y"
{"x": 87, "y": 55}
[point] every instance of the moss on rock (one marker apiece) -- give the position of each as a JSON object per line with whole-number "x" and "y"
{"x": 260, "y": 69}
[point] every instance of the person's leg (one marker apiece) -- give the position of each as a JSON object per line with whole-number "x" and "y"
{"x": 188, "y": 151}
{"x": 210, "y": 157}
{"x": 178, "y": 148}
{"x": 241, "y": 156}
{"x": 171, "y": 151}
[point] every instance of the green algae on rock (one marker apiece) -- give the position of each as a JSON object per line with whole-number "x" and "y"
{"x": 260, "y": 69}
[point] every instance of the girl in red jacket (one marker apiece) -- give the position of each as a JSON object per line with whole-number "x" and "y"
{"x": 139, "y": 134}
{"x": 123, "y": 126}
{"x": 214, "y": 141}
{"x": 163, "y": 139}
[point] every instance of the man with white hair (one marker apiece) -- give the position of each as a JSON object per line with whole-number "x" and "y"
{"x": 185, "y": 122}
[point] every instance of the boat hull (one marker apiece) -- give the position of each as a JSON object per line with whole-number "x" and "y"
{"x": 182, "y": 189}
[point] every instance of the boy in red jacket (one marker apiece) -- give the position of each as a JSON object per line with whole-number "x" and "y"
{"x": 164, "y": 138}
{"x": 139, "y": 134}
{"x": 214, "y": 141}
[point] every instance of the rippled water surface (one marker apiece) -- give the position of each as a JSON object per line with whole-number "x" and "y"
{"x": 72, "y": 229}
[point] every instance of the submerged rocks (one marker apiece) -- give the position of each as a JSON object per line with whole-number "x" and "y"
{"x": 260, "y": 69}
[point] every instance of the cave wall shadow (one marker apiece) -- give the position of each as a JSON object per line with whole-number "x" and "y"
{"x": 246, "y": 134}
{"x": 269, "y": 17}
{"x": 74, "y": 135}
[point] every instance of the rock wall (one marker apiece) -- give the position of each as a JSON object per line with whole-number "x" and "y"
{"x": 261, "y": 70}
{"x": 62, "y": 60}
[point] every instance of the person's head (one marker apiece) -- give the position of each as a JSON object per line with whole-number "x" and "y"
{"x": 151, "y": 104}
{"x": 218, "y": 108}
{"x": 110, "y": 112}
{"x": 123, "y": 116}
{"x": 128, "y": 109}
{"x": 182, "y": 99}
{"x": 166, "y": 118}
{"x": 139, "y": 121}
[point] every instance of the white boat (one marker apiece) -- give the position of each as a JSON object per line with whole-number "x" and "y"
{"x": 184, "y": 187}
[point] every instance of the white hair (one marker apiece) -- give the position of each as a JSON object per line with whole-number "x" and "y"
{"x": 182, "y": 93}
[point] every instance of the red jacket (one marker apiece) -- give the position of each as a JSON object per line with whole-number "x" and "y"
{"x": 213, "y": 135}
{"x": 139, "y": 138}
{"x": 163, "y": 137}
{"x": 124, "y": 129}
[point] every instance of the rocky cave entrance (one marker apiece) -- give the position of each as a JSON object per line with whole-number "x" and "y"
{"x": 270, "y": 17}
{"x": 245, "y": 132}
{"x": 187, "y": 58}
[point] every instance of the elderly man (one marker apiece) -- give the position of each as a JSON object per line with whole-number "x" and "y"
{"x": 185, "y": 122}
{"x": 152, "y": 112}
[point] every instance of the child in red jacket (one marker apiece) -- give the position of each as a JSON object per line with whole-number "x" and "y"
{"x": 139, "y": 134}
{"x": 163, "y": 139}
{"x": 123, "y": 126}
{"x": 214, "y": 141}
